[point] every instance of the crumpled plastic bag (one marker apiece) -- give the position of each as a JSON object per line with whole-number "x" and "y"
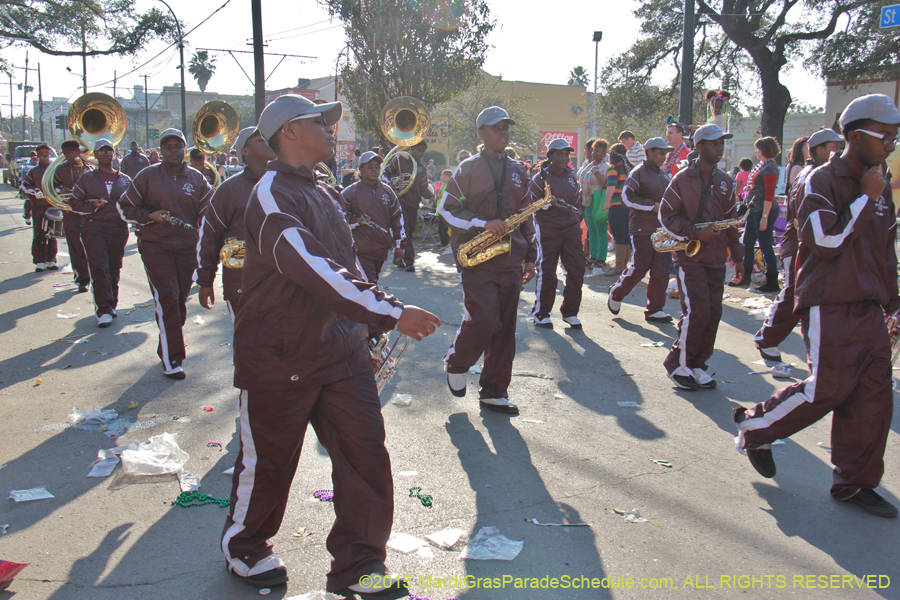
{"x": 490, "y": 544}
{"x": 97, "y": 416}
{"x": 160, "y": 456}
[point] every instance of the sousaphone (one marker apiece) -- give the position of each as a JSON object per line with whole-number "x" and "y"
{"x": 404, "y": 122}
{"x": 92, "y": 117}
{"x": 214, "y": 129}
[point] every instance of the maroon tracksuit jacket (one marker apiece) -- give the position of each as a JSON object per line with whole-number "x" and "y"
{"x": 43, "y": 247}
{"x": 490, "y": 290}
{"x": 66, "y": 176}
{"x": 103, "y": 234}
{"x": 223, "y": 219}
{"x": 169, "y": 251}
{"x": 781, "y": 319}
{"x": 644, "y": 190}
{"x": 134, "y": 163}
{"x": 381, "y": 205}
{"x": 300, "y": 358}
{"x": 701, "y": 278}
{"x": 558, "y": 236}
{"x": 846, "y": 282}
{"x": 410, "y": 201}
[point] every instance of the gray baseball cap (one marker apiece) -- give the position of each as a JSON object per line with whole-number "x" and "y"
{"x": 657, "y": 142}
{"x": 491, "y": 116}
{"x": 823, "y": 136}
{"x": 369, "y": 155}
{"x": 710, "y": 132}
{"x": 242, "y": 138}
{"x": 289, "y": 108}
{"x": 559, "y": 144}
{"x": 171, "y": 132}
{"x": 103, "y": 143}
{"x": 876, "y": 107}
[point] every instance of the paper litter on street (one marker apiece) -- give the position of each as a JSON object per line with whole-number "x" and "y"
{"x": 38, "y": 493}
{"x": 633, "y": 516}
{"x": 188, "y": 481}
{"x": 490, "y": 544}
{"x": 106, "y": 465}
{"x": 535, "y": 522}
{"x": 405, "y": 543}
{"x": 446, "y": 537}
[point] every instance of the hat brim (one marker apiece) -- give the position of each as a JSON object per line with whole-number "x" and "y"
{"x": 102, "y": 146}
{"x": 163, "y": 139}
{"x": 332, "y": 112}
{"x": 509, "y": 120}
{"x": 892, "y": 119}
{"x": 569, "y": 148}
{"x": 724, "y": 136}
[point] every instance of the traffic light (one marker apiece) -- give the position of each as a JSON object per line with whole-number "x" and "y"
{"x": 154, "y": 133}
{"x": 61, "y": 122}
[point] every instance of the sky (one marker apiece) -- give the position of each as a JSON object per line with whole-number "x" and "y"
{"x": 526, "y": 46}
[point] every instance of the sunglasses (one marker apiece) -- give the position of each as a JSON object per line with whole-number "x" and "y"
{"x": 885, "y": 138}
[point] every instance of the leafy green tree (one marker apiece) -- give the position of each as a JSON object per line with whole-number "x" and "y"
{"x": 578, "y": 77}
{"x": 83, "y": 27}
{"x": 430, "y": 50}
{"x": 202, "y": 67}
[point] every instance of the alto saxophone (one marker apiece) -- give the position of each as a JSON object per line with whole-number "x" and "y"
{"x": 663, "y": 241}
{"x": 386, "y": 356}
{"x": 485, "y": 246}
{"x": 232, "y": 254}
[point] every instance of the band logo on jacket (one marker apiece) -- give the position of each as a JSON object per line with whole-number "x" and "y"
{"x": 516, "y": 179}
{"x": 723, "y": 185}
{"x": 385, "y": 198}
{"x": 188, "y": 188}
{"x": 880, "y": 206}
{"x": 572, "y": 182}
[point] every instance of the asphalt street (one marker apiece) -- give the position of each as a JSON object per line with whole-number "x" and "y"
{"x": 601, "y": 429}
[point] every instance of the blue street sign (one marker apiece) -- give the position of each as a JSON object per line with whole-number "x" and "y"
{"x": 890, "y": 16}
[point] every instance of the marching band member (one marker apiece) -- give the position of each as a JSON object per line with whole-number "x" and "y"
{"x": 301, "y": 357}
{"x": 43, "y": 246}
{"x": 64, "y": 180}
{"x": 781, "y": 319}
{"x": 135, "y": 162}
{"x": 159, "y": 193}
{"x": 224, "y": 218}
{"x": 642, "y": 194}
{"x": 846, "y": 282}
{"x": 103, "y": 232}
{"x": 198, "y": 161}
{"x": 485, "y": 190}
{"x": 372, "y": 198}
{"x": 700, "y": 194}
{"x": 558, "y": 236}
{"x": 675, "y": 139}
{"x": 411, "y": 200}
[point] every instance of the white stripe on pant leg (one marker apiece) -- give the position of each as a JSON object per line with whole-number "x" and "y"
{"x": 629, "y": 270}
{"x": 685, "y": 322}
{"x": 540, "y": 265}
{"x": 809, "y": 390}
{"x": 245, "y": 480}
{"x": 779, "y": 301}
{"x": 230, "y": 310}
{"x": 466, "y": 317}
{"x": 163, "y": 339}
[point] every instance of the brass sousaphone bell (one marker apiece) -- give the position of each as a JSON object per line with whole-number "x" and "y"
{"x": 214, "y": 129}
{"x": 92, "y": 117}
{"x": 404, "y": 122}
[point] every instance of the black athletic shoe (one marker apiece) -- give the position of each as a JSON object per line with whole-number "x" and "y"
{"x": 82, "y": 287}
{"x": 177, "y": 375}
{"x": 770, "y": 354}
{"x": 267, "y": 573}
{"x": 684, "y": 382}
{"x": 506, "y": 409}
{"x": 871, "y": 501}
{"x": 410, "y": 268}
{"x": 763, "y": 461}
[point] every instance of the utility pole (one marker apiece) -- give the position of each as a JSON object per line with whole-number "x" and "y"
{"x": 83, "y": 59}
{"x": 41, "y": 100}
{"x": 114, "y": 84}
{"x": 147, "y": 113}
{"x": 10, "y": 106}
{"x": 25, "y": 97}
{"x": 259, "y": 74}
{"x": 686, "y": 103}
{"x": 181, "y": 53}
{"x": 598, "y": 35}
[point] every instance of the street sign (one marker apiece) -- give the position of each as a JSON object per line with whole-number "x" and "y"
{"x": 890, "y": 16}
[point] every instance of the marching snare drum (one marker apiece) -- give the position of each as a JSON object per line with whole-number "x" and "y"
{"x": 53, "y": 223}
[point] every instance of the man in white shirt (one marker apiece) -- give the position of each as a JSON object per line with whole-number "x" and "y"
{"x": 635, "y": 148}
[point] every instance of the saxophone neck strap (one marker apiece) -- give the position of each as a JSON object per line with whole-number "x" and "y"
{"x": 498, "y": 183}
{"x": 705, "y": 190}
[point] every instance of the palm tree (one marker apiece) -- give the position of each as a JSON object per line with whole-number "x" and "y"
{"x": 577, "y": 77}
{"x": 202, "y": 68}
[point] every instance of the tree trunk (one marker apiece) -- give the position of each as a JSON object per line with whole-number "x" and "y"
{"x": 776, "y": 99}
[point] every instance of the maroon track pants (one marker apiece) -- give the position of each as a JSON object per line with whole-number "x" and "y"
{"x": 346, "y": 416}
{"x": 849, "y": 375}
{"x": 43, "y": 248}
{"x": 700, "y": 289}
{"x": 410, "y": 218}
{"x": 781, "y": 319}
{"x": 488, "y": 327}
{"x": 104, "y": 247}
{"x": 645, "y": 259}
{"x": 73, "y": 224}
{"x": 371, "y": 267}
{"x": 170, "y": 274}
{"x": 554, "y": 245}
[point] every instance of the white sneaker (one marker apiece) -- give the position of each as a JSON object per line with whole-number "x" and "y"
{"x": 268, "y": 572}
{"x": 105, "y": 320}
{"x": 572, "y": 322}
{"x": 659, "y": 316}
{"x": 703, "y": 379}
{"x": 597, "y": 272}
{"x": 612, "y": 305}
{"x": 771, "y": 353}
{"x": 39, "y": 268}
{"x": 544, "y": 323}
{"x": 457, "y": 384}
{"x": 376, "y": 583}
{"x": 52, "y": 266}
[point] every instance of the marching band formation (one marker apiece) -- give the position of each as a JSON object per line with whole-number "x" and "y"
{"x": 301, "y": 263}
